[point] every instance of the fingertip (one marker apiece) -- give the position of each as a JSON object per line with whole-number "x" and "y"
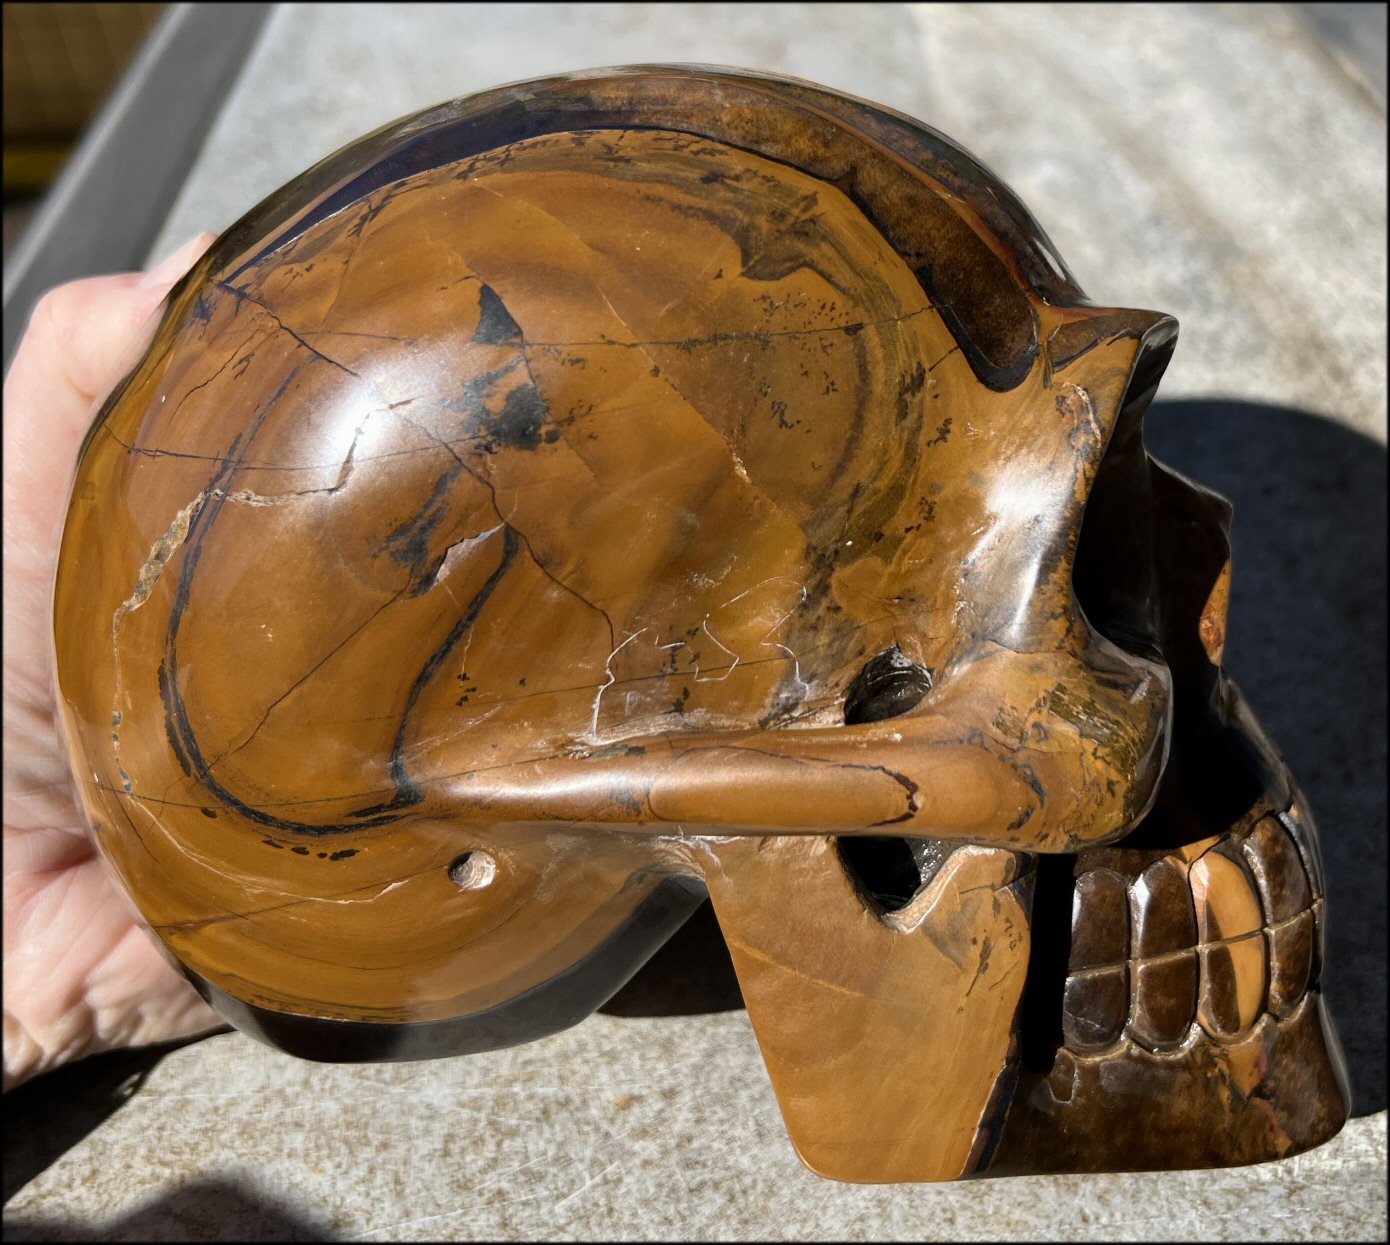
{"x": 165, "y": 273}
{"x": 88, "y": 330}
{"x": 84, "y": 331}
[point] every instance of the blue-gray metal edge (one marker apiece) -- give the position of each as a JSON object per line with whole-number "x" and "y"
{"x": 114, "y": 194}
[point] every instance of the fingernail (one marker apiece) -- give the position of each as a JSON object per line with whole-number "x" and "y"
{"x": 168, "y": 270}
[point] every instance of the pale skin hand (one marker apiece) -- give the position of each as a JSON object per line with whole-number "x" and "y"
{"x": 80, "y": 975}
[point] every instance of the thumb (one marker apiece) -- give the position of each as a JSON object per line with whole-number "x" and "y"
{"x": 81, "y": 339}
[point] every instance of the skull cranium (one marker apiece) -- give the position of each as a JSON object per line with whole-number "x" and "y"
{"x": 615, "y": 488}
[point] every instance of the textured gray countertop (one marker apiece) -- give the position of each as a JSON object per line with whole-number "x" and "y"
{"x": 1215, "y": 162}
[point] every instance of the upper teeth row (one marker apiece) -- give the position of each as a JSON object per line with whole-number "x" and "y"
{"x": 1212, "y": 936}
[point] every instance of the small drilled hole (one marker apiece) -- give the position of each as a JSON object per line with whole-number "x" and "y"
{"x": 889, "y": 686}
{"x": 473, "y": 870}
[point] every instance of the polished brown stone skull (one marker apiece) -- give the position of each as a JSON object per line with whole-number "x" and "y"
{"x": 613, "y": 489}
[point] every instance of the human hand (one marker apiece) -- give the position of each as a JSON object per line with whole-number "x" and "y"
{"x": 80, "y": 974}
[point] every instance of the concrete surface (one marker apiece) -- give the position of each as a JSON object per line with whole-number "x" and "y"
{"x": 1211, "y": 161}
{"x": 619, "y": 1129}
{"x": 1355, "y": 36}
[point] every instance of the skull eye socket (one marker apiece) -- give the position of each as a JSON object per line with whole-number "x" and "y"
{"x": 1110, "y": 574}
{"x": 1112, "y": 568}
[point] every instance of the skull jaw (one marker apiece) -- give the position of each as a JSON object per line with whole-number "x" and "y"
{"x": 1279, "y": 1090}
{"x": 1163, "y": 1055}
{"x": 1171, "y": 1018}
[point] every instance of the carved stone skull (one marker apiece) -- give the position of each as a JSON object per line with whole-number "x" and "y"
{"x": 618, "y": 488}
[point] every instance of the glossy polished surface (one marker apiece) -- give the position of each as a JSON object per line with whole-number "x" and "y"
{"x": 614, "y": 485}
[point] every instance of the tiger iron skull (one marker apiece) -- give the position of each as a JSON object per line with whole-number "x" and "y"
{"x": 615, "y": 489}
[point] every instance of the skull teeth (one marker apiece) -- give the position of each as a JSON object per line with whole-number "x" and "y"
{"x": 1165, "y": 970}
{"x": 1202, "y": 942}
